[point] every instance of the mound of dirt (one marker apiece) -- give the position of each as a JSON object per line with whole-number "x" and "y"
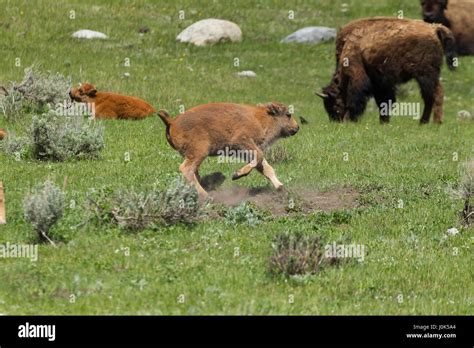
{"x": 280, "y": 203}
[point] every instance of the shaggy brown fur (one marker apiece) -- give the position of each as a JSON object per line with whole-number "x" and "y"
{"x": 218, "y": 128}
{"x": 111, "y": 105}
{"x": 374, "y": 55}
{"x": 3, "y": 133}
{"x": 456, "y": 15}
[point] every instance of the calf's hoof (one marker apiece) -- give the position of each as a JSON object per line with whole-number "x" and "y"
{"x": 235, "y": 176}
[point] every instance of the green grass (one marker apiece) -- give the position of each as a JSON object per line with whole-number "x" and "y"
{"x": 406, "y": 252}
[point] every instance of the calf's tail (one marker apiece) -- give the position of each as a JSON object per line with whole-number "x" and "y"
{"x": 168, "y": 121}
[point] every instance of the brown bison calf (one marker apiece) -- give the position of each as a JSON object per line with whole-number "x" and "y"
{"x": 374, "y": 55}
{"x": 3, "y": 133}
{"x": 457, "y": 16}
{"x": 221, "y": 128}
{"x": 111, "y": 105}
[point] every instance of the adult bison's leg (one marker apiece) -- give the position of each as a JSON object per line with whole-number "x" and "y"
{"x": 268, "y": 171}
{"x": 385, "y": 99}
{"x": 428, "y": 85}
{"x": 438, "y": 104}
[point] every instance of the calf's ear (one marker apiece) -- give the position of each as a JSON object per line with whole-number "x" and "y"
{"x": 92, "y": 92}
{"x": 275, "y": 109}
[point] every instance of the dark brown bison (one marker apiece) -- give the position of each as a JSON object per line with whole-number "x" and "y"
{"x": 375, "y": 55}
{"x": 457, "y": 15}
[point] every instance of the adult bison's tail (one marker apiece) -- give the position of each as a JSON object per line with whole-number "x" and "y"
{"x": 446, "y": 38}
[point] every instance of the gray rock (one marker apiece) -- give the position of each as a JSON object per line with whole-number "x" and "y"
{"x": 210, "y": 31}
{"x": 311, "y": 35}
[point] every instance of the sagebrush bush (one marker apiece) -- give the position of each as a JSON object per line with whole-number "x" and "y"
{"x": 40, "y": 88}
{"x": 180, "y": 203}
{"x": 298, "y": 254}
{"x": 11, "y": 104}
{"x": 59, "y": 138}
{"x": 37, "y": 92}
{"x": 17, "y": 147}
{"x": 135, "y": 211}
{"x": 43, "y": 207}
{"x": 245, "y": 213}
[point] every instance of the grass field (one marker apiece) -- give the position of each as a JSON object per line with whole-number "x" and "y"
{"x": 410, "y": 267}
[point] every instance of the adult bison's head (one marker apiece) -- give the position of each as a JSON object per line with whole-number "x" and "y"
{"x": 433, "y": 10}
{"x": 333, "y": 103}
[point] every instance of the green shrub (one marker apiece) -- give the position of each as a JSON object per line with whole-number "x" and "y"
{"x": 180, "y": 203}
{"x": 36, "y": 93}
{"x": 16, "y": 146}
{"x": 135, "y": 211}
{"x": 296, "y": 254}
{"x": 59, "y": 138}
{"x": 245, "y": 213}
{"x": 43, "y": 207}
{"x": 11, "y": 104}
{"x": 40, "y": 88}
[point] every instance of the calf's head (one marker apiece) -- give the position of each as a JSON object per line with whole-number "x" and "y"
{"x": 284, "y": 122}
{"x": 433, "y": 10}
{"x": 83, "y": 93}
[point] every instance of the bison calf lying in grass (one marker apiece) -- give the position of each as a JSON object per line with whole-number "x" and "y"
{"x": 219, "y": 128}
{"x": 457, "y": 16}
{"x": 3, "y": 133}
{"x": 111, "y": 105}
{"x": 374, "y": 55}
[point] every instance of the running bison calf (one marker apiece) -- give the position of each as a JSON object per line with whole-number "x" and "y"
{"x": 375, "y": 55}
{"x": 111, "y": 105}
{"x": 457, "y": 15}
{"x": 221, "y": 128}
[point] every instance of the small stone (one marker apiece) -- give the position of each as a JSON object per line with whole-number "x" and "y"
{"x": 246, "y": 73}
{"x": 89, "y": 34}
{"x": 452, "y": 231}
{"x": 464, "y": 114}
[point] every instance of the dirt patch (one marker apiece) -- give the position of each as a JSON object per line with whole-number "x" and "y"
{"x": 285, "y": 202}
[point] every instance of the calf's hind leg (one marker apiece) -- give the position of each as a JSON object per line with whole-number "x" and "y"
{"x": 189, "y": 168}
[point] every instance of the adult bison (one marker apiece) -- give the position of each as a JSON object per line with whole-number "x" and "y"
{"x": 457, "y": 15}
{"x": 375, "y": 55}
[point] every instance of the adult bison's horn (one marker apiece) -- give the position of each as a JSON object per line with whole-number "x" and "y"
{"x": 322, "y": 95}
